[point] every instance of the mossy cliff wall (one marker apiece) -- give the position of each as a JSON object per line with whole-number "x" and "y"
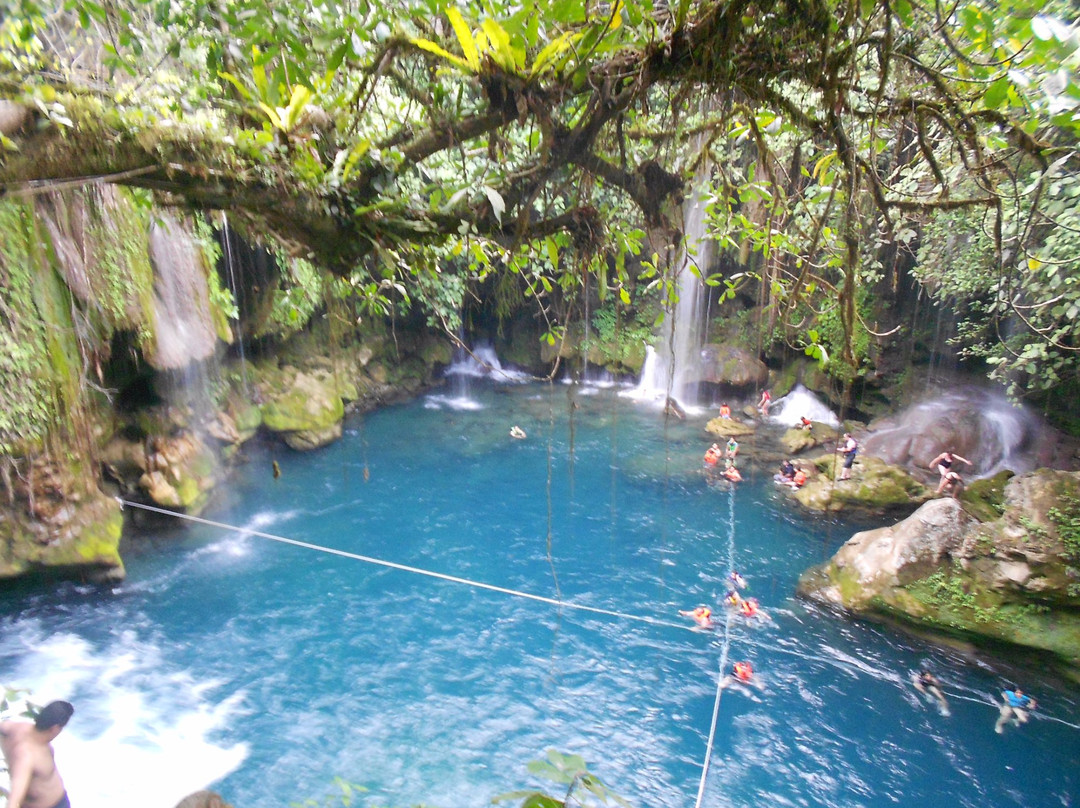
{"x": 118, "y": 382}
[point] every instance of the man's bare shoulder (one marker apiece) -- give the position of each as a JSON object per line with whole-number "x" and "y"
{"x": 15, "y": 730}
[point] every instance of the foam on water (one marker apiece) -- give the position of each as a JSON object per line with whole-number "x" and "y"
{"x": 145, "y": 734}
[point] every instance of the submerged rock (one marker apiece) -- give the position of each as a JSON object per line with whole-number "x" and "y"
{"x": 1014, "y": 579}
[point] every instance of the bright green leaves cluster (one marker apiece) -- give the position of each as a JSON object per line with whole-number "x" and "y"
{"x": 35, "y": 368}
{"x": 1025, "y": 57}
{"x": 528, "y": 44}
{"x": 569, "y": 771}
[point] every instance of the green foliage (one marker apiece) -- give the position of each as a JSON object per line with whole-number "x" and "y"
{"x": 582, "y": 787}
{"x": 344, "y": 795}
{"x": 951, "y": 590}
{"x": 1067, "y": 521}
{"x": 298, "y": 297}
{"x": 27, "y": 375}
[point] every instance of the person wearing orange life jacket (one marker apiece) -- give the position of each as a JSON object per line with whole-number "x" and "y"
{"x": 749, "y": 607}
{"x": 798, "y": 480}
{"x": 702, "y": 615}
{"x": 725, "y": 411}
{"x": 713, "y": 455}
{"x": 742, "y": 674}
{"x": 733, "y": 474}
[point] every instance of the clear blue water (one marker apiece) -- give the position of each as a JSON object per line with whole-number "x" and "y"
{"x": 266, "y": 670}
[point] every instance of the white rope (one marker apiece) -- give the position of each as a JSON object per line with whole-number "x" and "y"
{"x": 562, "y": 604}
{"x": 416, "y": 570}
{"x": 723, "y": 655}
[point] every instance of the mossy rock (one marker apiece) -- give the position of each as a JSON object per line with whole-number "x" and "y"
{"x": 985, "y": 499}
{"x": 729, "y": 428}
{"x": 88, "y": 539}
{"x": 304, "y": 440}
{"x": 798, "y": 440}
{"x": 306, "y": 404}
{"x": 874, "y": 486}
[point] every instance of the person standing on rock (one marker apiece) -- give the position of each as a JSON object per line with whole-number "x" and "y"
{"x": 943, "y": 462}
{"x": 848, "y": 449}
{"x": 35, "y": 781}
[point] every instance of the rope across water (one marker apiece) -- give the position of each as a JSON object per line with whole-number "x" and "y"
{"x": 724, "y": 649}
{"x": 561, "y": 604}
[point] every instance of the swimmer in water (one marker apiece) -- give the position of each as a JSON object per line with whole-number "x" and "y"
{"x": 702, "y": 615}
{"x": 929, "y": 685}
{"x": 741, "y": 673}
{"x": 738, "y": 580}
{"x": 1016, "y": 706}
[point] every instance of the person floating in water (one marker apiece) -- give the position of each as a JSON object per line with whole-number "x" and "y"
{"x": 1015, "y": 706}
{"x": 943, "y": 463}
{"x": 848, "y": 449}
{"x": 749, "y": 608}
{"x": 517, "y": 432}
{"x": 732, "y": 473}
{"x": 713, "y": 455}
{"x": 702, "y": 615}
{"x": 742, "y": 673}
{"x": 35, "y": 781}
{"x": 929, "y": 685}
{"x": 765, "y": 402}
{"x": 737, "y": 580}
{"x": 732, "y": 598}
{"x": 725, "y": 411}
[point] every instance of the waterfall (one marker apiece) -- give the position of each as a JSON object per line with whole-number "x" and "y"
{"x": 977, "y": 423}
{"x": 183, "y": 327}
{"x": 230, "y": 267}
{"x": 673, "y": 367}
{"x": 798, "y": 403}
{"x": 481, "y": 363}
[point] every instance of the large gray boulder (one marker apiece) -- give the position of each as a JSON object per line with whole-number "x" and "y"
{"x": 1013, "y": 577}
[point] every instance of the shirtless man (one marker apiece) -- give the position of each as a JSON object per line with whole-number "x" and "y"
{"x": 35, "y": 782}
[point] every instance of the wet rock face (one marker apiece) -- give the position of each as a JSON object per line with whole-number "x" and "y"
{"x": 56, "y": 518}
{"x": 977, "y": 424}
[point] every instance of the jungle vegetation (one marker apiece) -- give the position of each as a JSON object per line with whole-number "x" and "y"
{"x": 420, "y": 150}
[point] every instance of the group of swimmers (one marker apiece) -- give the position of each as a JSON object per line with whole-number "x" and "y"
{"x": 1015, "y": 708}
{"x": 747, "y": 607}
{"x": 790, "y": 474}
{"x": 714, "y": 454}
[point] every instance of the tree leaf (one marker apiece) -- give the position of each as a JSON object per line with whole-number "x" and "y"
{"x": 465, "y": 38}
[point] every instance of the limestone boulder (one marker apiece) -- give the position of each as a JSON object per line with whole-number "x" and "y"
{"x": 59, "y": 519}
{"x": 295, "y": 401}
{"x": 730, "y": 428}
{"x": 875, "y": 486}
{"x": 1014, "y": 578}
{"x": 796, "y": 441}
{"x": 732, "y": 366}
